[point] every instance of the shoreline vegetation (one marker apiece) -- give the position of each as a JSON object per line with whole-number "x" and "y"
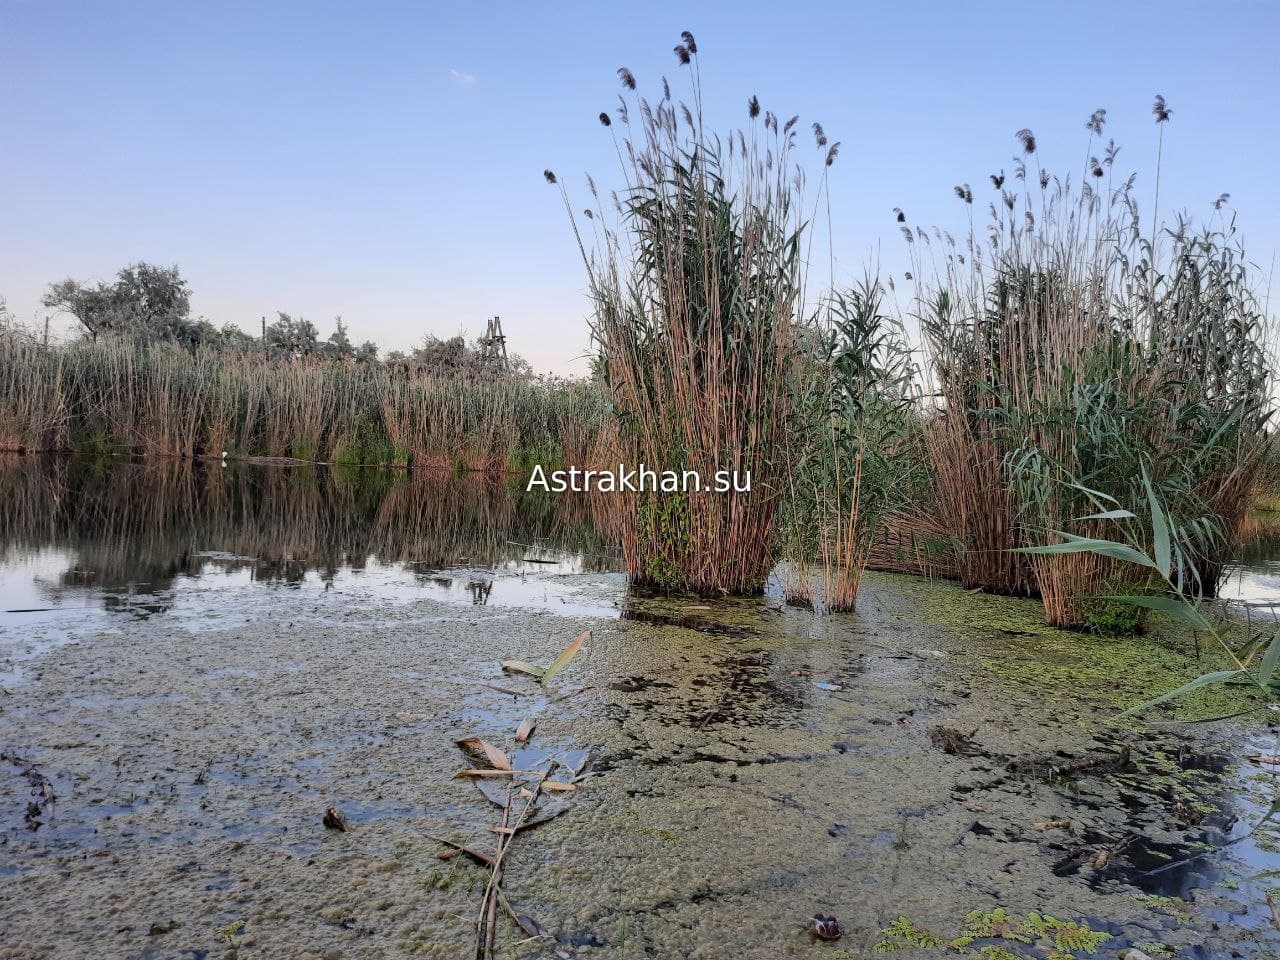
{"x": 1017, "y": 386}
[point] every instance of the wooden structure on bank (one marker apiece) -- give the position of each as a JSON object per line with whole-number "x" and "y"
{"x": 493, "y": 346}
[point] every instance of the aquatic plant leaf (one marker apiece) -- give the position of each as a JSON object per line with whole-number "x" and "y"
{"x": 1106, "y": 548}
{"x": 1159, "y": 530}
{"x": 1173, "y": 606}
{"x": 523, "y": 666}
{"x": 474, "y": 745}
{"x": 1270, "y": 660}
{"x": 524, "y": 731}
{"x": 1204, "y": 680}
{"x": 1109, "y": 515}
{"x": 562, "y": 659}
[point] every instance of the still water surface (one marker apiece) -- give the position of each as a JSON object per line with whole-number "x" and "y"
{"x": 86, "y": 547}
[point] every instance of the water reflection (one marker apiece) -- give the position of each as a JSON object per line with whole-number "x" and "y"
{"x": 125, "y": 535}
{"x": 1253, "y": 583}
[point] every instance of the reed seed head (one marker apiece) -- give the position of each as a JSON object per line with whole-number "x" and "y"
{"x": 550, "y": 177}
{"x": 1222, "y": 201}
{"x": 682, "y": 54}
{"x": 1027, "y": 139}
{"x": 997, "y": 179}
{"x": 753, "y": 107}
{"x": 1160, "y": 110}
{"x": 604, "y": 119}
{"x": 627, "y": 77}
{"x": 1096, "y": 121}
{"x": 819, "y": 135}
{"x": 833, "y": 152}
{"x": 899, "y": 215}
{"x": 687, "y": 38}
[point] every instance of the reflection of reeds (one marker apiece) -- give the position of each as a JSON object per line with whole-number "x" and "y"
{"x": 145, "y": 522}
{"x": 169, "y": 401}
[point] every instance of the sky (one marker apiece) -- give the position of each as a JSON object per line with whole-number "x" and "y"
{"x": 382, "y": 161}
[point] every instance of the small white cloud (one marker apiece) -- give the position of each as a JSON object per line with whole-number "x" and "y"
{"x": 462, "y": 79}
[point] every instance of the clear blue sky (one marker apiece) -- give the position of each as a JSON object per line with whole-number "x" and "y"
{"x": 383, "y": 160}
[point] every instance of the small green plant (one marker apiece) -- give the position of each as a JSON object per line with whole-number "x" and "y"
{"x": 904, "y": 933}
{"x": 1042, "y": 933}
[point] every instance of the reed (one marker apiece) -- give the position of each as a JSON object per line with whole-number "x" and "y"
{"x": 697, "y": 279}
{"x": 848, "y": 466}
{"x": 1073, "y": 347}
{"x": 163, "y": 399}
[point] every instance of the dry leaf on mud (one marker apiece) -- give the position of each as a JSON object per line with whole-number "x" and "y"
{"x": 562, "y": 659}
{"x": 1052, "y": 824}
{"x": 558, "y": 785}
{"x": 474, "y": 745}
{"x": 334, "y": 820}
{"x": 524, "y": 731}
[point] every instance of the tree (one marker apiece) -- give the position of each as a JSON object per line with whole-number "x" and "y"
{"x": 292, "y": 338}
{"x": 339, "y": 346}
{"x": 145, "y": 302}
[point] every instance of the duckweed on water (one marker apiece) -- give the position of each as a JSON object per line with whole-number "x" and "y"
{"x": 1174, "y": 907}
{"x": 1043, "y": 933}
{"x": 1065, "y": 666}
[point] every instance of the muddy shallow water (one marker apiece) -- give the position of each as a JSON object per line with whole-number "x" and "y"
{"x": 747, "y": 765}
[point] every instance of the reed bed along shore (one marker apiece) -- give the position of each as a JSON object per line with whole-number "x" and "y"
{"x": 163, "y": 399}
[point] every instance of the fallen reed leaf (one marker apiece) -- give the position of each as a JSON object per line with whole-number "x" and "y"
{"x": 557, "y": 785}
{"x": 1052, "y": 824}
{"x": 474, "y": 772}
{"x": 474, "y": 745}
{"x": 523, "y": 666}
{"x": 562, "y": 659}
{"x": 524, "y": 731}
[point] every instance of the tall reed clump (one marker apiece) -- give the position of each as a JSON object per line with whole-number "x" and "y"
{"x": 696, "y": 291}
{"x": 1074, "y": 347}
{"x": 848, "y": 468}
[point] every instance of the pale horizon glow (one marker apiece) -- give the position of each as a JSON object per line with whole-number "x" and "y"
{"x": 383, "y": 162}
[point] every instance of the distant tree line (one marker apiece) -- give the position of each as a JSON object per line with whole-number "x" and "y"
{"x": 152, "y": 304}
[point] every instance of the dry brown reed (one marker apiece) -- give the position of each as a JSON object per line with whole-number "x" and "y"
{"x": 697, "y": 290}
{"x": 1070, "y": 353}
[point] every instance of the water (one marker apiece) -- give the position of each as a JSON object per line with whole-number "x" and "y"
{"x": 87, "y": 547}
